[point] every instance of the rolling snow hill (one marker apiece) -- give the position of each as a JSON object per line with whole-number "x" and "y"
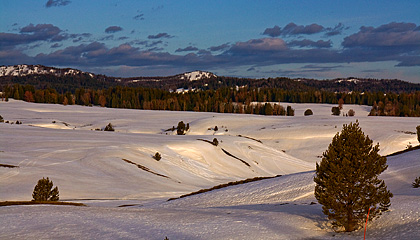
{"x": 109, "y": 169}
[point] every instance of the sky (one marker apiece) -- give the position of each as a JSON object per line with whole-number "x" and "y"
{"x": 258, "y": 39}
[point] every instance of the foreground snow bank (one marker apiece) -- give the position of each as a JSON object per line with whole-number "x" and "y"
{"x": 87, "y": 165}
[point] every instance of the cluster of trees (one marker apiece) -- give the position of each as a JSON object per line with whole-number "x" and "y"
{"x": 403, "y": 105}
{"x": 223, "y": 100}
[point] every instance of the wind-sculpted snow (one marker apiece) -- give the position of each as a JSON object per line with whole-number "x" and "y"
{"x": 62, "y": 143}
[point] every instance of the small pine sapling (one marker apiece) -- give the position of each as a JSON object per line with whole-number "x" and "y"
{"x": 109, "y": 127}
{"x": 43, "y": 191}
{"x": 157, "y": 156}
{"x": 308, "y": 112}
{"x": 416, "y": 183}
{"x": 418, "y": 133}
{"x": 215, "y": 142}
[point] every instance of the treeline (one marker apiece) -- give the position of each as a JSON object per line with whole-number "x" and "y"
{"x": 402, "y": 105}
{"x": 223, "y": 100}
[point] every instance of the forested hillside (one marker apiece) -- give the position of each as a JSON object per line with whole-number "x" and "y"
{"x": 211, "y": 93}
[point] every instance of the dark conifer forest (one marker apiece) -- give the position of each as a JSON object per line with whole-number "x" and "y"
{"x": 216, "y": 94}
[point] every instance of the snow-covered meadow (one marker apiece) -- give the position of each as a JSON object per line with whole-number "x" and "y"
{"x": 60, "y": 142}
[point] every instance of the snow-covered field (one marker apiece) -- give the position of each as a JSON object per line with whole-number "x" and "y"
{"x": 60, "y": 142}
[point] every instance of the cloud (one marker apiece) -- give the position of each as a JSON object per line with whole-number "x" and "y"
{"x": 106, "y": 38}
{"x": 393, "y": 41}
{"x": 219, "y": 48}
{"x": 401, "y": 35}
{"x": 160, "y": 35}
{"x": 187, "y": 49}
{"x": 259, "y": 45}
{"x": 146, "y": 43}
{"x": 56, "y": 45}
{"x": 397, "y": 42}
{"x": 38, "y": 33}
{"x": 293, "y": 29}
{"x": 337, "y": 30}
{"x": 113, "y": 29}
{"x": 13, "y": 57}
{"x": 123, "y": 38}
{"x": 32, "y": 33}
{"x": 57, "y": 3}
{"x": 310, "y": 43}
{"x": 139, "y": 17}
{"x": 273, "y": 32}
{"x": 158, "y": 8}
{"x": 319, "y": 68}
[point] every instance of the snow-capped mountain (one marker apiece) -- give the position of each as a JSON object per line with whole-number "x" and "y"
{"x": 24, "y": 70}
{"x": 196, "y": 75}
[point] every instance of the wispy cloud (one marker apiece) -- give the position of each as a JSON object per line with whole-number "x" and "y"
{"x": 57, "y": 3}
{"x": 310, "y": 43}
{"x": 220, "y": 47}
{"x": 139, "y": 17}
{"x": 293, "y": 29}
{"x": 159, "y": 35}
{"x": 337, "y": 30}
{"x": 187, "y": 49}
{"x": 113, "y": 29}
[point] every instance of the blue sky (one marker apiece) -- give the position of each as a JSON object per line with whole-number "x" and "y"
{"x": 258, "y": 39}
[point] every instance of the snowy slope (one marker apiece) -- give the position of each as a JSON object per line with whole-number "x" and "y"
{"x": 24, "y": 70}
{"x": 87, "y": 165}
{"x": 196, "y": 75}
{"x": 279, "y": 208}
{"x": 61, "y": 142}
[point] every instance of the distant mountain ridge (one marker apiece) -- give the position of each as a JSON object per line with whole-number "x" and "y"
{"x": 68, "y": 79}
{"x": 24, "y": 70}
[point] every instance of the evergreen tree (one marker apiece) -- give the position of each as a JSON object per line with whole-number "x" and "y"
{"x": 43, "y": 191}
{"x": 347, "y": 183}
{"x": 308, "y": 112}
{"x": 418, "y": 133}
{"x": 109, "y": 127}
{"x": 157, "y": 156}
{"x": 180, "y": 130}
{"x": 290, "y": 111}
{"x": 335, "y": 111}
{"x": 416, "y": 183}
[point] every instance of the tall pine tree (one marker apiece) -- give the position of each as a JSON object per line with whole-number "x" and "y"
{"x": 347, "y": 183}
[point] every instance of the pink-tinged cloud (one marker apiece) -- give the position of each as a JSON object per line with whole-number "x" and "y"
{"x": 263, "y": 44}
{"x": 388, "y": 35}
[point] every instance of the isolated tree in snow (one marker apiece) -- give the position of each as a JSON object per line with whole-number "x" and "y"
{"x": 308, "y": 112}
{"x": 418, "y": 133}
{"x": 416, "y": 183}
{"x": 347, "y": 183}
{"x": 180, "y": 130}
{"x": 290, "y": 111}
{"x": 335, "y": 111}
{"x": 109, "y": 127}
{"x": 43, "y": 191}
{"x": 157, "y": 156}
